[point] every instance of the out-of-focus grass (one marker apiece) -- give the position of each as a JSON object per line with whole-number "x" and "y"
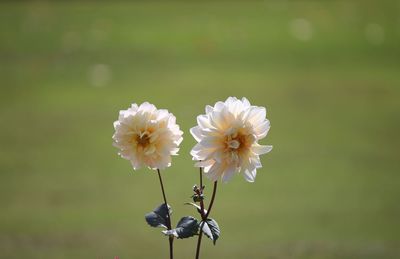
{"x": 328, "y": 72}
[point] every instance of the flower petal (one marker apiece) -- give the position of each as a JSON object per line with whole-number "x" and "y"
{"x": 196, "y": 149}
{"x": 196, "y": 133}
{"x": 228, "y": 173}
{"x": 250, "y": 176}
{"x": 262, "y": 129}
{"x": 209, "y": 108}
{"x": 255, "y": 162}
{"x": 260, "y": 149}
{"x": 245, "y": 102}
{"x": 147, "y": 107}
{"x": 256, "y": 115}
{"x": 219, "y": 106}
{"x": 203, "y": 121}
{"x": 211, "y": 142}
{"x": 214, "y": 172}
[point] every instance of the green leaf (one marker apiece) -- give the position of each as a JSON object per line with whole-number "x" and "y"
{"x": 158, "y": 217}
{"x": 186, "y": 227}
{"x": 196, "y": 206}
{"x": 211, "y": 229}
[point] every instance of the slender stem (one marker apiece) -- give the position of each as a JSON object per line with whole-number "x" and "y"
{"x": 162, "y": 188}
{"x": 212, "y": 198}
{"x": 171, "y": 238}
{"x": 201, "y": 178}
{"x": 171, "y": 247}
{"x": 204, "y": 219}
{"x": 203, "y": 215}
{"x": 199, "y": 241}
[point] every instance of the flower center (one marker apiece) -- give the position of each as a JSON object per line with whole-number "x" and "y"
{"x": 143, "y": 139}
{"x": 233, "y": 144}
{"x": 237, "y": 141}
{"x": 233, "y": 141}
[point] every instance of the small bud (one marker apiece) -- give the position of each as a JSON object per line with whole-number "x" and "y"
{"x": 198, "y": 198}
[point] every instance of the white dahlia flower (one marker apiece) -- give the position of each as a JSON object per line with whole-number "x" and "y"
{"x": 227, "y": 138}
{"x": 147, "y": 136}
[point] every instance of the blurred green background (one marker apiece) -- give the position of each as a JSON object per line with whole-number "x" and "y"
{"x": 327, "y": 71}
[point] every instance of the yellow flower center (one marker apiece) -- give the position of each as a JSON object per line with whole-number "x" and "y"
{"x": 233, "y": 144}
{"x": 238, "y": 141}
{"x": 143, "y": 139}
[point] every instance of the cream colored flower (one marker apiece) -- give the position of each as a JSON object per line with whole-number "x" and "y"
{"x": 147, "y": 136}
{"x": 227, "y": 138}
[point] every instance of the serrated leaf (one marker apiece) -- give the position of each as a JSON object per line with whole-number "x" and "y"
{"x": 211, "y": 229}
{"x": 186, "y": 227}
{"x": 158, "y": 217}
{"x": 196, "y": 206}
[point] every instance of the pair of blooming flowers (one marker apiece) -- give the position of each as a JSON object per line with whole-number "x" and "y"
{"x": 227, "y": 136}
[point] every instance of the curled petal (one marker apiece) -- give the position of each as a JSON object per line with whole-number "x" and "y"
{"x": 209, "y": 108}
{"x": 196, "y": 149}
{"x": 256, "y": 115}
{"x": 147, "y": 107}
{"x": 245, "y": 102}
{"x": 260, "y": 149}
{"x": 203, "y": 121}
{"x": 219, "y": 106}
{"x": 196, "y": 133}
{"x": 262, "y": 129}
{"x": 250, "y": 176}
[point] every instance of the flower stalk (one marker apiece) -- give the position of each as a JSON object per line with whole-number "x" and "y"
{"x": 171, "y": 238}
{"x": 204, "y": 215}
